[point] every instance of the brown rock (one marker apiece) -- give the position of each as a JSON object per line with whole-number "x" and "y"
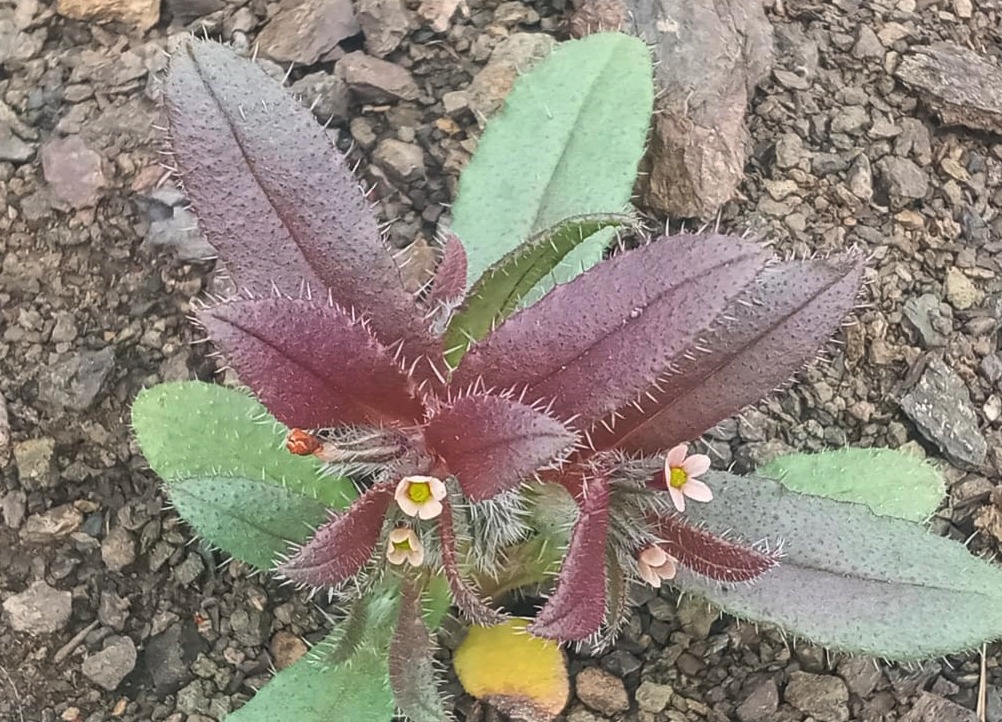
{"x": 308, "y": 31}
{"x": 960, "y": 84}
{"x": 5, "y": 445}
{"x": 375, "y": 80}
{"x": 141, "y": 14}
{"x": 57, "y": 522}
{"x": 286, "y": 648}
{"x": 438, "y": 13}
{"x": 73, "y": 172}
{"x": 602, "y": 691}
{"x": 417, "y": 264}
{"x": 385, "y": 24}
{"x": 517, "y": 54}
{"x": 932, "y": 708}
{"x": 709, "y": 58}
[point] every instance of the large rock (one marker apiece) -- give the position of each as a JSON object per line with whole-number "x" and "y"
{"x": 932, "y": 708}
{"x": 385, "y": 24}
{"x": 516, "y": 54}
{"x": 73, "y": 172}
{"x": 142, "y": 14}
{"x": 823, "y": 697}
{"x": 39, "y": 609}
{"x": 308, "y": 31}
{"x": 376, "y": 81}
{"x": 960, "y": 84}
{"x": 710, "y": 55}
{"x": 940, "y": 406}
{"x": 112, "y": 664}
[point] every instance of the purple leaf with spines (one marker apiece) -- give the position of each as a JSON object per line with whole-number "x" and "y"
{"x": 576, "y": 609}
{"x": 709, "y": 554}
{"x": 469, "y": 602}
{"x": 275, "y": 198}
{"x": 449, "y": 285}
{"x": 412, "y": 661}
{"x": 344, "y": 545}
{"x": 311, "y": 365}
{"x": 595, "y": 344}
{"x": 490, "y": 443}
{"x": 764, "y": 337}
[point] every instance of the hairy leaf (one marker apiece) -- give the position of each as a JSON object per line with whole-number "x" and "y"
{"x": 467, "y": 599}
{"x": 849, "y": 579}
{"x": 310, "y": 691}
{"x": 413, "y": 678}
{"x": 587, "y": 138}
{"x": 597, "y": 343}
{"x": 891, "y": 483}
{"x": 344, "y": 545}
{"x": 274, "y": 197}
{"x": 191, "y": 429}
{"x": 490, "y": 443}
{"x": 253, "y": 521}
{"x": 503, "y": 285}
{"x": 577, "y": 607}
{"x": 311, "y": 365}
{"x": 764, "y": 337}
{"x": 523, "y": 676}
{"x": 449, "y": 284}
{"x": 709, "y": 554}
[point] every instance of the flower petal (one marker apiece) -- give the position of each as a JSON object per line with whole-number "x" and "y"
{"x": 648, "y": 574}
{"x": 437, "y": 487}
{"x": 697, "y": 491}
{"x": 668, "y": 570}
{"x": 653, "y": 556}
{"x": 676, "y": 457}
{"x": 696, "y": 464}
{"x": 677, "y": 498}
{"x": 430, "y": 509}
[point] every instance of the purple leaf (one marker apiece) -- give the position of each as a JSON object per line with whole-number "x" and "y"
{"x": 311, "y": 365}
{"x": 344, "y": 545}
{"x": 490, "y": 443}
{"x": 466, "y": 598}
{"x": 449, "y": 285}
{"x": 600, "y": 341}
{"x": 577, "y": 607}
{"x": 274, "y": 197}
{"x": 764, "y": 337}
{"x": 708, "y": 554}
{"x": 412, "y": 662}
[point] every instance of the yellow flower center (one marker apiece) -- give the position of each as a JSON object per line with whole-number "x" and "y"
{"x": 403, "y": 546}
{"x": 678, "y": 477}
{"x": 419, "y": 492}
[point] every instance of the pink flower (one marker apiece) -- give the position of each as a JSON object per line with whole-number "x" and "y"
{"x": 404, "y": 546}
{"x": 420, "y": 496}
{"x": 681, "y": 471}
{"x": 655, "y": 565}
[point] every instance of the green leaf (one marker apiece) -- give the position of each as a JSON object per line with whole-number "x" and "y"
{"x": 315, "y": 690}
{"x": 310, "y": 692}
{"x": 254, "y": 521}
{"x": 567, "y": 143}
{"x": 891, "y": 483}
{"x": 498, "y": 292}
{"x": 849, "y": 579}
{"x": 194, "y": 429}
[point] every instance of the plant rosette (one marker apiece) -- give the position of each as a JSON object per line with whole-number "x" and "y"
{"x": 524, "y": 422}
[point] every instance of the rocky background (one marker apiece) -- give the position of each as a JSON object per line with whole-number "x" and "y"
{"x": 817, "y": 124}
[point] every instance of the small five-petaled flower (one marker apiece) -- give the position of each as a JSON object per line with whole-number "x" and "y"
{"x": 420, "y": 496}
{"x": 403, "y": 545}
{"x": 656, "y": 565}
{"x": 681, "y": 470}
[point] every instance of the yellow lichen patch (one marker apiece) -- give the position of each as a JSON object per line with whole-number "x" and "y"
{"x": 521, "y": 675}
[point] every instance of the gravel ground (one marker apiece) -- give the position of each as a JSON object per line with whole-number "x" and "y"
{"x": 111, "y": 613}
